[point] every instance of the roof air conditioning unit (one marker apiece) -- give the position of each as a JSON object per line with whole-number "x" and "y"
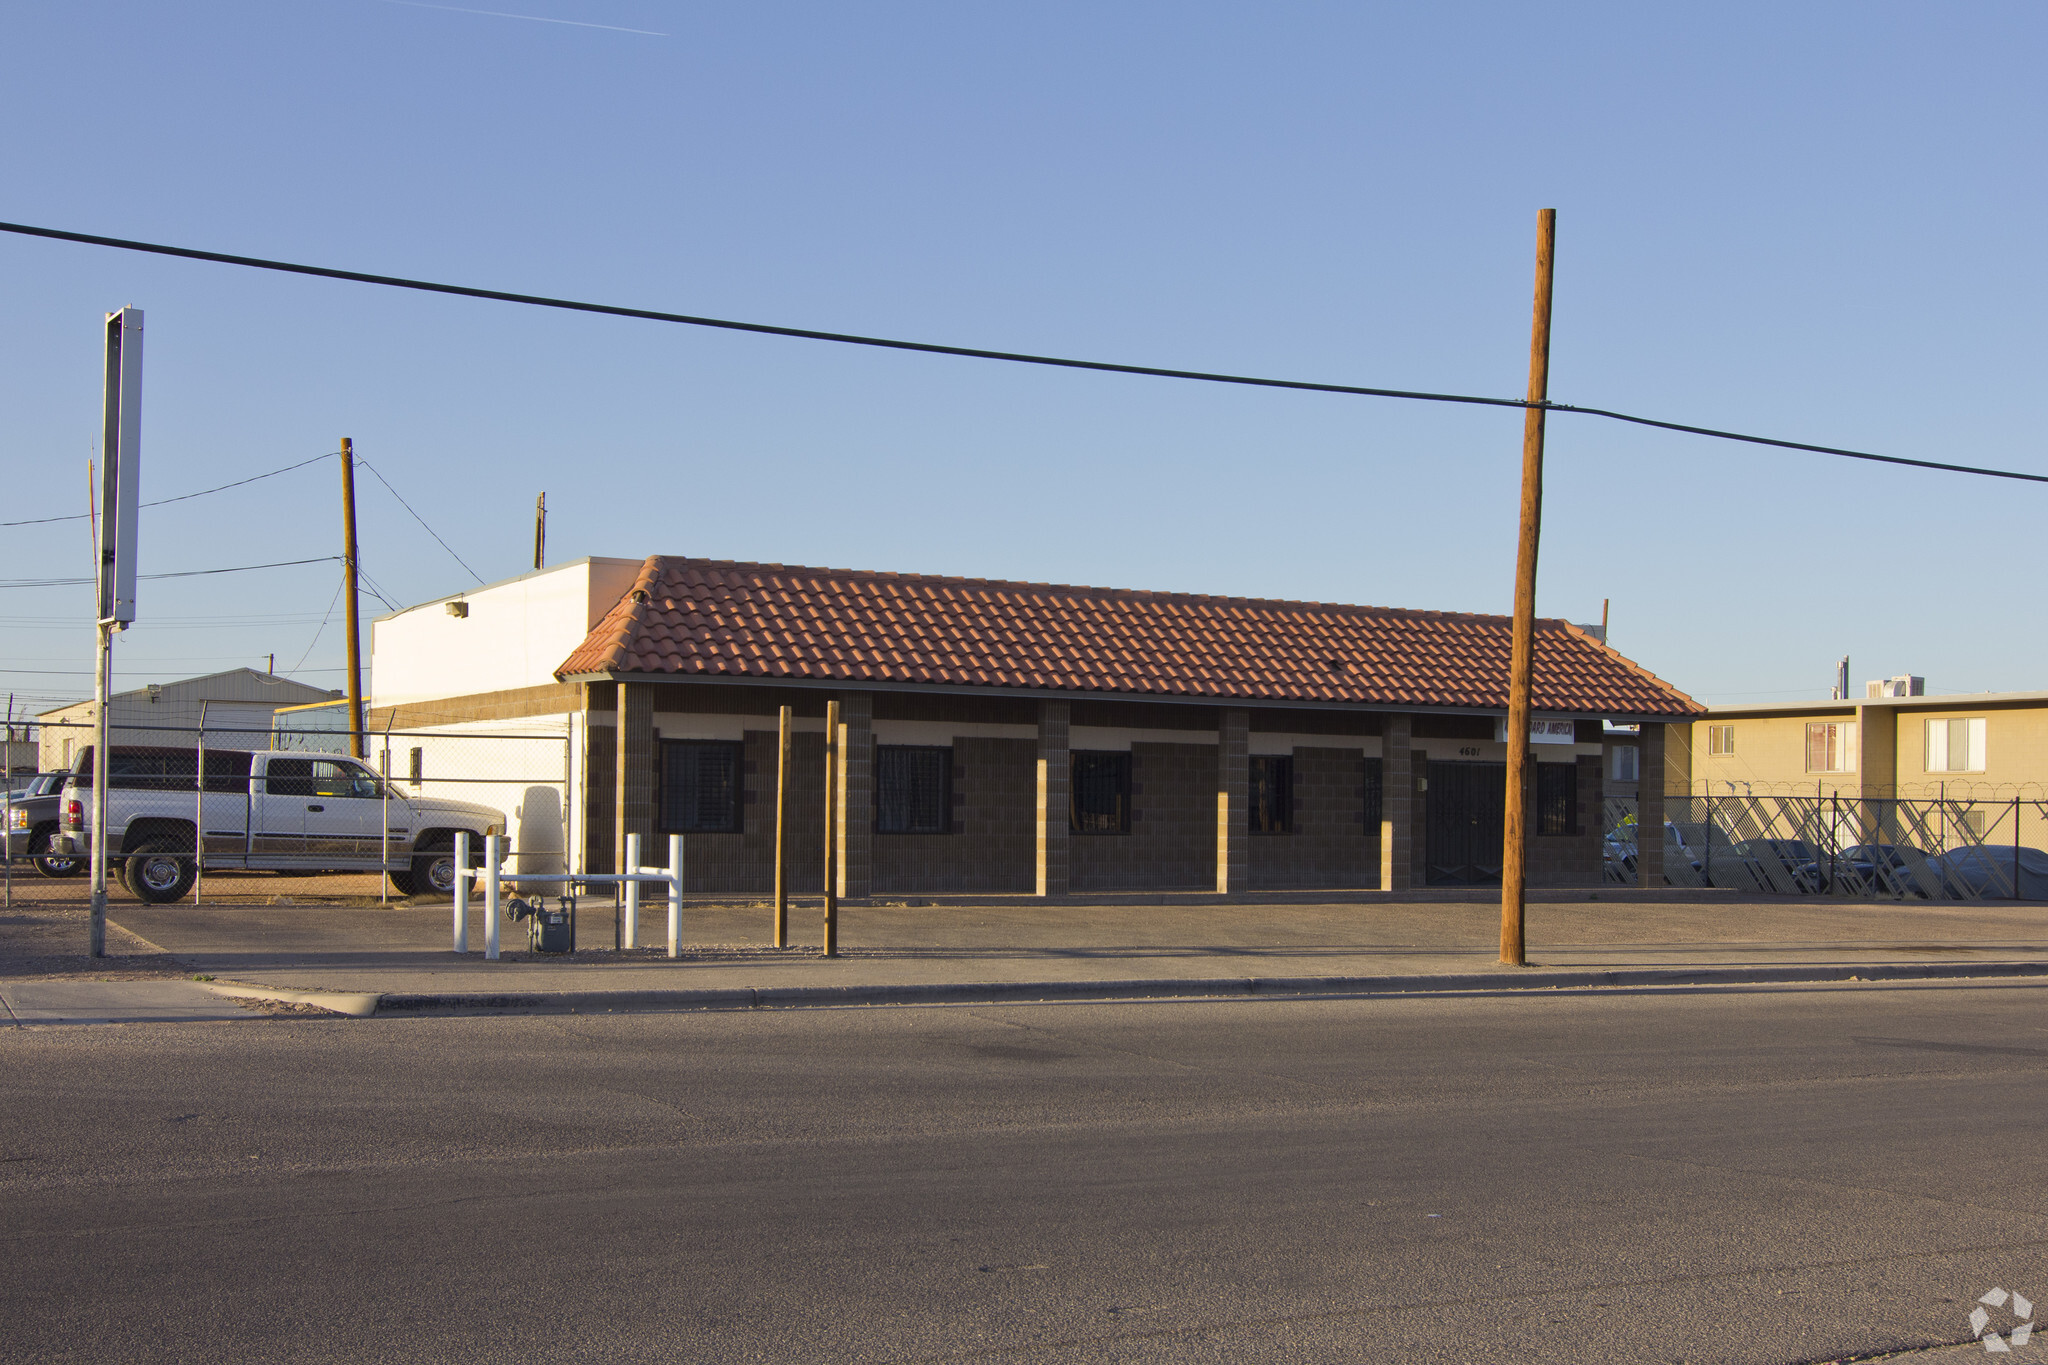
{"x": 1904, "y": 685}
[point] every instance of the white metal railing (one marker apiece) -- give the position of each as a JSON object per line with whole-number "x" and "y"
{"x": 492, "y": 875}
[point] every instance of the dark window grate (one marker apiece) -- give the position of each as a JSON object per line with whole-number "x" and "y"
{"x": 1099, "y": 796}
{"x": 913, "y": 789}
{"x": 1271, "y": 803}
{"x": 1557, "y": 798}
{"x": 700, "y": 786}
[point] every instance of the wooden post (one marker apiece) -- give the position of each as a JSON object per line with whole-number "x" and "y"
{"x": 1514, "y": 872}
{"x": 782, "y": 831}
{"x": 355, "y": 639}
{"x": 540, "y": 529}
{"x": 831, "y": 829}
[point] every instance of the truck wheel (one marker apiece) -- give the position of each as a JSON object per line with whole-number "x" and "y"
{"x": 433, "y": 870}
{"x": 50, "y": 864}
{"x": 403, "y": 884}
{"x": 158, "y": 875}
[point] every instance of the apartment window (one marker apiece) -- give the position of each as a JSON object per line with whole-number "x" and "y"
{"x": 1627, "y": 763}
{"x": 1557, "y": 798}
{"x": 1375, "y": 796}
{"x": 1831, "y": 746}
{"x": 1720, "y": 739}
{"x": 1955, "y": 746}
{"x": 700, "y": 786}
{"x": 1271, "y": 804}
{"x": 1972, "y": 819}
{"x": 1099, "y": 796}
{"x": 913, "y": 789}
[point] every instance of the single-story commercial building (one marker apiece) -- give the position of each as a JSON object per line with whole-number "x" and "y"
{"x": 1018, "y": 737}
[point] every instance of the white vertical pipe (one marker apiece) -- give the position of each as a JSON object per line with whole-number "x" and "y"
{"x": 491, "y": 897}
{"x": 632, "y": 865}
{"x": 462, "y": 891}
{"x": 675, "y": 895}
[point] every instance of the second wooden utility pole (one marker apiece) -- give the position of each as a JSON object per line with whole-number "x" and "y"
{"x": 831, "y": 947}
{"x": 355, "y": 638}
{"x": 540, "y": 529}
{"x": 1514, "y": 868}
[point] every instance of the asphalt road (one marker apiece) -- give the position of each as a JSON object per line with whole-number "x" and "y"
{"x": 1764, "y": 1175}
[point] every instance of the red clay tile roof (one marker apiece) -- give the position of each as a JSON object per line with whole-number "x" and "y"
{"x": 699, "y": 618}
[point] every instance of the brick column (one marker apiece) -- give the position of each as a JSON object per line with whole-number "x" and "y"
{"x": 1397, "y": 805}
{"x": 1650, "y": 808}
{"x": 1055, "y": 772}
{"x": 1233, "y": 790}
{"x": 633, "y": 785}
{"x": 600, "y": 773}
{"x": 856, "y": 832}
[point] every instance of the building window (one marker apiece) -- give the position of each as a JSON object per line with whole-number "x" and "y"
{"x": 1955, "y": 746}
{"x": 913, "y": 789}
{"x": 1099, "y": 799}
{"x": 1375, "y": 796}
{"x": 1271, "y": 804}
{"x": 1627, "y": 763}
{"x": 1972, "y": 819}
{"x": 1831, "y": 746}
{"x": 700, "y": 786}
{"x": 1557, "y": 798}
{"x": 1720, "y": 739}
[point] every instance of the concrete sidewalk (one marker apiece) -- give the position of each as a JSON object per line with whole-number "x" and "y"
{"x": 1029, "y": 950}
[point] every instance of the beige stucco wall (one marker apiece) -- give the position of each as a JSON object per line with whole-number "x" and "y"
{"x": 1770, "y": 753}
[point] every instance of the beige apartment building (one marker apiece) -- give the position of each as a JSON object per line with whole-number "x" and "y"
{"x": 1989, "y": 749}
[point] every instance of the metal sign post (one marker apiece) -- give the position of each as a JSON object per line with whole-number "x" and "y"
{"x": 120, "y": 485}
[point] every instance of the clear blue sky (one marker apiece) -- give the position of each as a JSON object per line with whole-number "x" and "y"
{"x": 1819, "y": 221}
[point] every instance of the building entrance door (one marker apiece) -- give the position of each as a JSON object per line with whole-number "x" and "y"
{"x": 1467, "y": 819}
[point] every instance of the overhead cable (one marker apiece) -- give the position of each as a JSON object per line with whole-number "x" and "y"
{"x": 421, "y": 520}
{"x": 184, "y": 573}
{"x": 182, "y": 497}
{"x": 971, "y": 352}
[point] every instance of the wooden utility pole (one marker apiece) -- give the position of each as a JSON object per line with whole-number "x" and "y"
{"x": 540, "y": 528}
{"x": 355, "y": 639}
{"x": 831, "y": 829}
{"x": 1514, "y": 871}
{"x": 782, "y": 831}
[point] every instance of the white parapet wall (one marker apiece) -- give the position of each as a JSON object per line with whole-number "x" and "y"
{"x": 507, "y": 635}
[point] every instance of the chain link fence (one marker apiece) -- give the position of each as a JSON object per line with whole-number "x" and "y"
{"x": 1849, "y": 847}
{"x": 283, "y": 806}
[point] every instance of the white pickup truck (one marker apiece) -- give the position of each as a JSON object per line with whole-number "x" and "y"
{"x": 281, "y": 811}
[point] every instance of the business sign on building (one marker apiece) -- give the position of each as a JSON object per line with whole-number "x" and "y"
{"x": 1540, "y": 731}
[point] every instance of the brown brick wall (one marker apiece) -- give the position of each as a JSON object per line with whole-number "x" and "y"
{"x": 552, "y": 700}
{"x": 1330, "y": 845}
{"x": 1569, "y": 859}
{"x": 744, "y": 863}
{"x": 1172, "y": 843}
{"x": 991, "y": 846}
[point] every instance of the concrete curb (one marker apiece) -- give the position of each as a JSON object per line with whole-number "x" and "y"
{"x": 359, "y": 1004}
{"x": 1015, "y": 992}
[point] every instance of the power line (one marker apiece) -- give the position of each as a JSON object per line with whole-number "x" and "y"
{"x": 324, "y": 619}
{"x": 421, "y": 520}
{"x": 182, "y": 497}
{"x": 971, "y": 352}
{"x": 186, "y": 573}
